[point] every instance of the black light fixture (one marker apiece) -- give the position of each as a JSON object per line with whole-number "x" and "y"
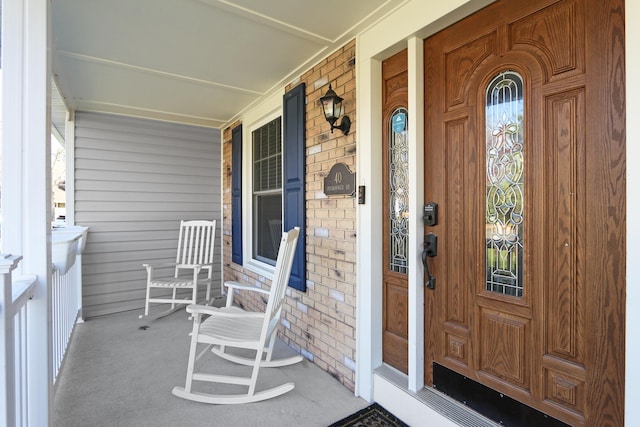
{"x": 332, "y": 108}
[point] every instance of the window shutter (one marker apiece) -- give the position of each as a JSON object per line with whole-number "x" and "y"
{"x": 236, "y": 195}
{"x": 294, "y": 173}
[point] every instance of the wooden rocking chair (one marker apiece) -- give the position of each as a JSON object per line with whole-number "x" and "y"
{"x": 195, "y": 253}
{"x": 230, "y": 326}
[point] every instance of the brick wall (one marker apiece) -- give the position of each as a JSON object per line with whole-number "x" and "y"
{"x": 321, "y": 322}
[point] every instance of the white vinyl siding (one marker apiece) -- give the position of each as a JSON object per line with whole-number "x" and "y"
{"x": 135, "y": 179}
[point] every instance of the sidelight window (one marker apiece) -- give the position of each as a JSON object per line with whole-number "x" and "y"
{"x": 398, "y": 192}
{"x": 505, "y": 184}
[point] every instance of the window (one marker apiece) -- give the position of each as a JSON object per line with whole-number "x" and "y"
{"x": 398, "y": 176}
{"x": 273, "y": 199}
{"x": 267, "y": 190}
{"x": 505, "y": 184}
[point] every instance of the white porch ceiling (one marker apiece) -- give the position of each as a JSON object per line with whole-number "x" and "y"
{"x": 200, "y": 62}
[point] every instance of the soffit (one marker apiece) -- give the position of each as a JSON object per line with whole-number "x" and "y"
{"x": 202, "y": 62}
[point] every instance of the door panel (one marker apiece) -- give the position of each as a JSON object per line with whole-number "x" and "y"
{"x": 521, "y": 109}
{"x": 395, "y": 214}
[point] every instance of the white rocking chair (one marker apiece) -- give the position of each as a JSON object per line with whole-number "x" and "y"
{"x": 230, "y": 326}
{"x": 195, "y": 253}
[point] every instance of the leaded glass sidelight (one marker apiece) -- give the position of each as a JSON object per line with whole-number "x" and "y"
{"x": 398, "y": 192}
{"x": 505, "y": 184}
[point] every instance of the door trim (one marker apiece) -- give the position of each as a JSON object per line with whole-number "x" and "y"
{"x": 374, "y": 44}
{"x": 378, "y": 42}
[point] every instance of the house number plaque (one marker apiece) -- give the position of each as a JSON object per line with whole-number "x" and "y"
{"x": 340, "y": 181}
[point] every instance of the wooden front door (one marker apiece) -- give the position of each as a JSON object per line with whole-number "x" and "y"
{"x": 525, "y": 156}
{"x": 395, "y": 228}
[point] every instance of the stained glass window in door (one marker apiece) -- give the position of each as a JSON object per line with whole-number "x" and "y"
{"x": 505, "y": 184}
{"x": 398, "y": 192}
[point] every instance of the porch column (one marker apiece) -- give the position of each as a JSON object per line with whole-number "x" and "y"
{"x": 26, "y": 178}
{"x": 369, "y": 223}
{"x": 70, "y": 183}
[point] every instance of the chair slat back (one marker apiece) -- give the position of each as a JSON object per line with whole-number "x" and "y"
{"x": 280, "y": 280}
{"x": 196, "y": 242}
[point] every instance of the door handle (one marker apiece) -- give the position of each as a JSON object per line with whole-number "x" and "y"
{"x": 430, "y": 250}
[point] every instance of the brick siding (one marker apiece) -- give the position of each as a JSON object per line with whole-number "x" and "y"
{"x": 321, "y": 322}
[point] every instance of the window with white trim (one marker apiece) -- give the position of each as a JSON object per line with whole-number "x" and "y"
{"x": 273, "y": 197}
{"x": 266, "y": 162}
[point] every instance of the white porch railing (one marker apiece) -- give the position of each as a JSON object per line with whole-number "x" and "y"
{"x": 66, "y": 288}
{"x": 66, "y": 310}
{"x": 16, "y": 333}
{"x": 14, "y": 306}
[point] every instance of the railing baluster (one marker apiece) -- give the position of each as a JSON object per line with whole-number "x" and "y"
{"x": 66, "y": 310}
{"x": 14, "y": 303}
{"x": 14, "y": 331}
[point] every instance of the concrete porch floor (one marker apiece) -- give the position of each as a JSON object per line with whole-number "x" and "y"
{"x": 117, "y": 373}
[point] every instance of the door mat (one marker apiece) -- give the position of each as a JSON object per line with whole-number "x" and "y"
{"x": 373, "y": 415}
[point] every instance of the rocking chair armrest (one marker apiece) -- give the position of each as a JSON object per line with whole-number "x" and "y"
{"x": 159, "y": 264}
{"x": 199, "y": 266}
{"x": 218, "y": 311}
{"x": 150, "y": 266}
{"x": 235, "y": 285}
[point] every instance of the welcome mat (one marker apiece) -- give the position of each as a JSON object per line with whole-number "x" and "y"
{"x": 374, "y": 415}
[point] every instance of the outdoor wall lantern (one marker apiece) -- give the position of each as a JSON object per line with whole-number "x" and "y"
{"x": 332, "y": 107}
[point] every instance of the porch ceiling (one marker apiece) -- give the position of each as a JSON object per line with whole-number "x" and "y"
{"x": 201, "y": 62}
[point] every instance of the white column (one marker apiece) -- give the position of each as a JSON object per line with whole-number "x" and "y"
{"x": 416, "y": 290}
{"x": 369, "y": 224}
{"x": 70, "y": 183}
{"x": 13, "y": 61}
{"x": 26, "y": 193}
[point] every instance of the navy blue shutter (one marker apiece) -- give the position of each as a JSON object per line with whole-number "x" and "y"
{"x": 236, "y": 195}
{"x": 293, "y": 154}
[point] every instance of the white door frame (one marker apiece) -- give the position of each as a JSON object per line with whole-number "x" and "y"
{"x": 406, "y": 27}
